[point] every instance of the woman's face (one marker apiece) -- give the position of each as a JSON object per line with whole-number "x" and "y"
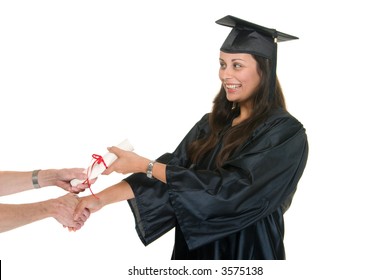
{"x": 239, "y": 76}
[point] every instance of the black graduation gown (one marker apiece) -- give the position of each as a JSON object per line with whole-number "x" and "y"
{"x": 232, "y": 212}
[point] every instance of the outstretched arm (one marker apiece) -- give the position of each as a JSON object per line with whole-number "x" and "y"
{"x": 130, "y": 162}
{"x": 62, "y": 208}
{"x": 18, "y": 181}
{"x": 118, "y": 192}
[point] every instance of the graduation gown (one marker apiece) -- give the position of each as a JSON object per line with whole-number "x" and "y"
{"x": 232, "y": 212}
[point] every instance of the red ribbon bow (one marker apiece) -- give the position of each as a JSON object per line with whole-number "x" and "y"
{"x": 98, "y": 160}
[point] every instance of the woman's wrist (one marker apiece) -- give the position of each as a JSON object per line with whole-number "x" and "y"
{"x": 144, "y": 164}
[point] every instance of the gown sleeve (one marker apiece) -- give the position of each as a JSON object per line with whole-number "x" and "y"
{"x": 151, "y": 207}
{"x": 259, "y": 179}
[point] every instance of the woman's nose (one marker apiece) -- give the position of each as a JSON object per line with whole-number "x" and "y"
{"x": 225, "y": 74}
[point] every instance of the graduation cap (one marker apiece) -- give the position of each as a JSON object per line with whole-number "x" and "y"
{"x": 247, "y": 37}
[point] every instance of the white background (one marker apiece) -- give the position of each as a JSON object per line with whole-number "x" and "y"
{"x": 79, "y": 76}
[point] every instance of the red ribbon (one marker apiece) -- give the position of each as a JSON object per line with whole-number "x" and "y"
{"x": 98, "y": 160}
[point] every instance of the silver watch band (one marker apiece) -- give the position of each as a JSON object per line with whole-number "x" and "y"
{"x": 149, "y": 170}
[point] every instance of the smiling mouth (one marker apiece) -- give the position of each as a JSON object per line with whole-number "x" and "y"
{"x": 232, "y": 86}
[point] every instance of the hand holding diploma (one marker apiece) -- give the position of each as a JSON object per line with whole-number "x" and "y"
{"x": 130, "y": 162}
{"x": 100, "y": 164}
{"x": 125, "y": 162}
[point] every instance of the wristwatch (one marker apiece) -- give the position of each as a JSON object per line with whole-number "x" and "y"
{"x": 149, "y": 170}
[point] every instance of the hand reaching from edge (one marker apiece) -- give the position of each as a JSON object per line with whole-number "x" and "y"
{"x": 64, "y": 176}
{"x": 63, "y": 211}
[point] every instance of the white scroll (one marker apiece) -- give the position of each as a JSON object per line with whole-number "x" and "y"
{"x": 96, "y": 168}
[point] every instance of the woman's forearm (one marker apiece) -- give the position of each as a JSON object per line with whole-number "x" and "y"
{"x": 116, "y": 193}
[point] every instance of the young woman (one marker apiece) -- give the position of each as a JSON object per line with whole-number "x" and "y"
{"x": 227, "y": 185}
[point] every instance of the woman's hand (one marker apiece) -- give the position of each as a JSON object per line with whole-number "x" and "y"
{"x": 127, "y": 162}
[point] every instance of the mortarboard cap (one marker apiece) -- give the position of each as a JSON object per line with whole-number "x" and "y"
{"x": 247, "y": 37}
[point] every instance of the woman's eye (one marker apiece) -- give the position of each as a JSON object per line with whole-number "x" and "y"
{"x": 237, "y": 65}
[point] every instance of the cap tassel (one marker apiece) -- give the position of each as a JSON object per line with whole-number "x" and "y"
{"x": 273, "y": 71}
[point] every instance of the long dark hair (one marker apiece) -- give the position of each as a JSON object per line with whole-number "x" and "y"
{"x": 223, "y": 114}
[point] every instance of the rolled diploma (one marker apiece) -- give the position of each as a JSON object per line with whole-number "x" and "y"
{"x": 108, "y": 158}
